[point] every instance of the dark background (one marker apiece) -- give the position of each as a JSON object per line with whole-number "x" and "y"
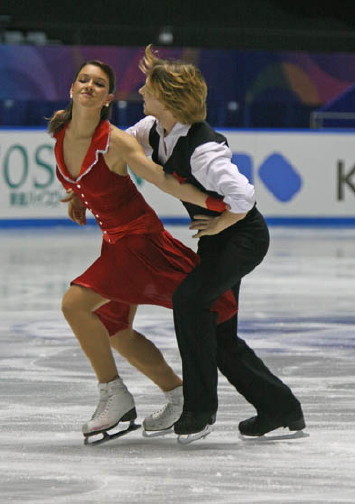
{"x": 255, "y": 25}
{"x": 242, "y": 24}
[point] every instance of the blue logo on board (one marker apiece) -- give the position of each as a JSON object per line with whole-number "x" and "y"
{"x": 276, "y": 172}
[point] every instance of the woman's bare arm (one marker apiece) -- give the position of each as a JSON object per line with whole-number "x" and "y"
{"x": 129, "y": 151}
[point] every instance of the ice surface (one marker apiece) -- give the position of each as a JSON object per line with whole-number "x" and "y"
{"x": 296, "y": 311}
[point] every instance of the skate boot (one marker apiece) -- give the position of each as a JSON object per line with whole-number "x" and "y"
{"x": 192, "y": 426}
{"x": 116, "y": 405}
{"x": 263, "y": 423}
{"x": 161, "y": 422}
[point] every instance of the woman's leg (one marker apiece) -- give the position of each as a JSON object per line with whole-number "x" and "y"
{"x": 146, "y": 357}
{"x": 116, "y": 403}
{"x": 78, "y": 306}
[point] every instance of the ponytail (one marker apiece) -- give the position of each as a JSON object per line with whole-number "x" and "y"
{"x": 59, "y": 119}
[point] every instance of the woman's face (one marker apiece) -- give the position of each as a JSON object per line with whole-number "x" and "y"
{"x": 91, "y": 88}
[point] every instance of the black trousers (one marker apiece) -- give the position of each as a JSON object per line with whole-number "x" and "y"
{"x": 205, "y": 346}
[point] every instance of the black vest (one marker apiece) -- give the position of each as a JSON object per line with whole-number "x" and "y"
{"x": 179, "y": 163}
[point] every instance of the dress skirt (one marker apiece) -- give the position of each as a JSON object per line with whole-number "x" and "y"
{"x": 142, "y": 269}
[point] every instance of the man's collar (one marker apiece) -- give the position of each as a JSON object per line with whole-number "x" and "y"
{"x": 179, "y": 129}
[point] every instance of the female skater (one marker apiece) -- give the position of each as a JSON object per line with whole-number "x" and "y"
{"x": 140, "y": 262}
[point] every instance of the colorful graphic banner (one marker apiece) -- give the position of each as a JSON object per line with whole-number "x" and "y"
{"x": 45, "y": 72}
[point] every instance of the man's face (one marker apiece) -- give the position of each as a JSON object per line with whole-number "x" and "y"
{"x": 151, "y": 105}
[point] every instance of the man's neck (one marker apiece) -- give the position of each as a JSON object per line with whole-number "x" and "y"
{"x": 167, "y": 121}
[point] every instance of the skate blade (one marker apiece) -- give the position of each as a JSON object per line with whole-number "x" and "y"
{"x": 161, "y": 433}
{"x": 274, "y": 437}
{"x": 185, "y": 439}
{"x": 92, "y": 439}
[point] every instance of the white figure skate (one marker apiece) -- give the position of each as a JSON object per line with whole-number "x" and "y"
{"x": 161, "y": 422}
{"x": 116, "y": 405}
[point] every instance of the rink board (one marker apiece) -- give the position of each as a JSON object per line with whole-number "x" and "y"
{"x": 300, "y": 177}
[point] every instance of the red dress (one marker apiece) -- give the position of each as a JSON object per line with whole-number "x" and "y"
{"x": 140, "y": 262}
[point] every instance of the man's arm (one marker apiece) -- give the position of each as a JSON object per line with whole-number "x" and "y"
{"x": 140, "y": 131}
{"x": 212, "y": 166}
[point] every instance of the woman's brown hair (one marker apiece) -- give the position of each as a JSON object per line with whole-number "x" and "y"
{"x": 61, "y": 117}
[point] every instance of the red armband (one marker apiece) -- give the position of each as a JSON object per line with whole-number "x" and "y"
{"x": 215, "y": 204}
{"x": 181, "y": 179}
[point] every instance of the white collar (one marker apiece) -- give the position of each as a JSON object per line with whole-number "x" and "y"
{"x": 178, "y": 130}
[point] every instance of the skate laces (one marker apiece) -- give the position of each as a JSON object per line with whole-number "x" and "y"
{"x": 166, "y": 409}
{"x": 103, "y": 406}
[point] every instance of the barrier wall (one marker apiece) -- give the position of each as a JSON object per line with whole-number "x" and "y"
{"x": 301, "y": 177}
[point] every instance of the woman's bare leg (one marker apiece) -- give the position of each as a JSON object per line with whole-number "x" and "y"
{"x": 145, "y": 356}
{"x": 78, "y": 306}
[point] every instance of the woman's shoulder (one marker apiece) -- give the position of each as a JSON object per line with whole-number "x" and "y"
{"x": 120, "y": 139}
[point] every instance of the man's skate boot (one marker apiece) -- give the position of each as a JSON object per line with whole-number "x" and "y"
{"x": 192, "y": 426}
{"x": 263, "y": 423}
{"x": 116, "y": 405}
{"x": 161, "y": 422}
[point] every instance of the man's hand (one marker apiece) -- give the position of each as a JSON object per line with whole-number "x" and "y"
{"x": 208, "y": 225}
{"x": 76, "y": 209}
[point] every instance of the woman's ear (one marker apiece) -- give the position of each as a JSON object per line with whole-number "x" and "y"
{"x": 109, "y": 99}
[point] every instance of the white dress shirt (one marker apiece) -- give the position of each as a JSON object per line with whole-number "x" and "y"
{"x": 210, "y": 163}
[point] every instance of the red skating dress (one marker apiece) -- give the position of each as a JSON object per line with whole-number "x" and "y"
{"x": 140, "y": 262}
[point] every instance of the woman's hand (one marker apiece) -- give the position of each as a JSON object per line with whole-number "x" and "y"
{"x": 76, "y": 208}
{"x": 208, "y": 225}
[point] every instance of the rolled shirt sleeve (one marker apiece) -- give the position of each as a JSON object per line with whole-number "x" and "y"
{"x": 211, "y": 165}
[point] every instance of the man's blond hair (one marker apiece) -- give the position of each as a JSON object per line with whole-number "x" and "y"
{"x": 179, "y": 86}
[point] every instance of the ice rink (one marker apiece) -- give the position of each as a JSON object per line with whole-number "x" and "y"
{"x": 296, "y": 311}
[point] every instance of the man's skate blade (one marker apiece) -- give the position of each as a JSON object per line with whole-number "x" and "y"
{"x": 273, "y": 436}
{"x": 109, "y": 436}
{"x": 185, "y": 439}
{"x": 161, "y": 433}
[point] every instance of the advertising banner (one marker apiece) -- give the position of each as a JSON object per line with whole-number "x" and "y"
{"x": 299, "y": 176}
